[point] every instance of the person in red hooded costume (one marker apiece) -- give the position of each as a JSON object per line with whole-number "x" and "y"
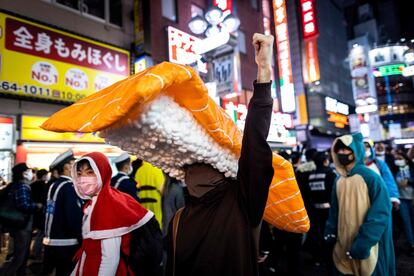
{"x": 109, "y": 218}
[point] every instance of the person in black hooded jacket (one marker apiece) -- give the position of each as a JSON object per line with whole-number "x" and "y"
{"x": 216, "y": 229}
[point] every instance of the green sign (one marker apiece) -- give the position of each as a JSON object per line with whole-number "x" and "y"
{"x": 388, "y": 70}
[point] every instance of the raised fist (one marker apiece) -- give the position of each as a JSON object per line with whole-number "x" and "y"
{"x": 263, "y": 44}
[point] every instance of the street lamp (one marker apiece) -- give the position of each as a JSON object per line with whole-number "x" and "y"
{"x": 213, "y": 23}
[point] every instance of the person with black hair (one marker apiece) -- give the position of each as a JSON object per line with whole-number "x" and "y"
{"x": 63, "y": 227}
{"x": 22, "y": 175}
{"x": 320, "y": 184}
{"x": 405, "y": 180}
{"x": 39, "y": 195}
{"x": 123, "y": 180}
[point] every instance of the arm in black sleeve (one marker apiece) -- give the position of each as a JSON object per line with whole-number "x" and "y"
{"x": 255, "y": 164}
{"x": 72, "y": 210}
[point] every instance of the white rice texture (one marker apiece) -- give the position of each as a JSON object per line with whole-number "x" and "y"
{"x": 167, "y": 136}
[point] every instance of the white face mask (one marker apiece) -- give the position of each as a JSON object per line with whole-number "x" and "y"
{"x": 400, "y": 163}
{"x": 28, "y": 175}
{"x": 130, "y": 170}
{"x": 380, "y": 153}
{"x": 367, "y": 153}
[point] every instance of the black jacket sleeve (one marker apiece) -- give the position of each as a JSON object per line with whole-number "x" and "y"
{"x": 72, "y": 210}
{"x": 255, "y": 164}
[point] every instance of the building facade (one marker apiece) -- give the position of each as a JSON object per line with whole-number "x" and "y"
{"x": 53, "y": 53}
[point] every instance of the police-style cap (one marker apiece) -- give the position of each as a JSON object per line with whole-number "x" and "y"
{"x": 123, "y": 157}
{"x": 62, "y": 159}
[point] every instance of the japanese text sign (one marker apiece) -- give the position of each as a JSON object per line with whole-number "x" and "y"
{"x": 287, "y": 92}
{"x": 309, "y": 25}
{"x": 53, "y": 64}
{"x": 180, "y": 49}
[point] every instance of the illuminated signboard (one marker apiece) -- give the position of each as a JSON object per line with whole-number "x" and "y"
{"x": 287, "y": 92}
{"x": 408, "y": 71}
{"x": 43, "y": 62}
{"x": 309, "y": 25}
{"x": 312, "y": 73}
{"x": 180, "y": 49}
{"x": 279, "y": 126}
{"x": 6, "y": 133}
{"x": 338, "y": 112}
{"x": 31, "y": 131}
{"x": 225, "y": 5}
{"x": 389, "y": 70}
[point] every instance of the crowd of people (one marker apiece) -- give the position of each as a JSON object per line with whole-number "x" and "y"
{"x": 52, "y": 233}
{"x": 79, "y": 218}
{"x": 55, "y": 210}
{"x": 379, "y": 201}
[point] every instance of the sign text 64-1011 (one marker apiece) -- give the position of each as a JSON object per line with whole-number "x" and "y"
{"x": 37, "y": 91}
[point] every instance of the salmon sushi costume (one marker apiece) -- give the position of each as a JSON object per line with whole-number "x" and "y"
{"x": 164, "y": 116}
{"x": 109, "y": 218}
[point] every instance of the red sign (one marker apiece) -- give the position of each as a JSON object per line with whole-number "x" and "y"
{"x": 180, "y": 49}
{"x": 309, "y": 25}
{"x": 41, "y": 42}
{"x": 224, "y": 5}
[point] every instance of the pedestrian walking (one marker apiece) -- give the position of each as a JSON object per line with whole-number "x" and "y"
{"x": 405, "y": 180}
{"x": 63, "y": 222}
{"x": 320, "y": 182}
{"x": 380, "y": 167}
{"x": 122, "y": 180}
{"x": 39, "y": 195}
{"x": 359, "y": 223}
{"x": 20, "y": 193}
{"x": 110, "y": 216}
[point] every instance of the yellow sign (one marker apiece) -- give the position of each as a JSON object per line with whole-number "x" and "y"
{"x": 47, "y": 63}
{"x": 31, "y": 131}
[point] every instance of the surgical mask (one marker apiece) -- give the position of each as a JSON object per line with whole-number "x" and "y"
{"x": 130, "y": 170}
{"x": 344, "y": 159}
{"x": 28, "y": 175}
{"x": 367, "y": 153}
{"x": 400, "y": 163}
{"x": 380, "y": 153}
{"x": 87, "y": 186}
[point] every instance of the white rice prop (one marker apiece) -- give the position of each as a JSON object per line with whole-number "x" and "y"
{"x": 167, "y": 136}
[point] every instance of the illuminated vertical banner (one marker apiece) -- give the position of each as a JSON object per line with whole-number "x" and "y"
{"x": 312, "y": 73}
{"x": 309, "y": 25}
{"x": 287, "y": 92}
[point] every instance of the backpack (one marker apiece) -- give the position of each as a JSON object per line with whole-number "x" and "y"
{"x": 146, "y": 250}
{"x": 10, "y": 216}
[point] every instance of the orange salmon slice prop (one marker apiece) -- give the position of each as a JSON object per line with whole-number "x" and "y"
{"x": 165, "y": 116}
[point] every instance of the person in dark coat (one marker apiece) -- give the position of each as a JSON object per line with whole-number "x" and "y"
{"x": 216, "y": 229}
{"x": 122, "y": 180}
{"x": 39, "y": 195}
{"x": 21, "y": 236}
{"x": 320, "y": 183}
{"x": 63, "y": 227}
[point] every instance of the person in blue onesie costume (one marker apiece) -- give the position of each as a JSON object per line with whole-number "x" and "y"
{"x": 359, "y": 222}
